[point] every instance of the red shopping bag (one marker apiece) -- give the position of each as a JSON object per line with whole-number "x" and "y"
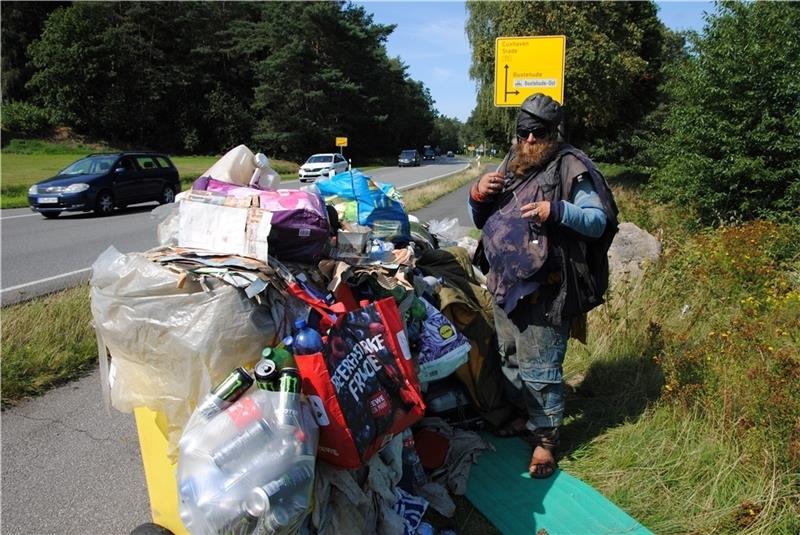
{"x": 363, "y": 385}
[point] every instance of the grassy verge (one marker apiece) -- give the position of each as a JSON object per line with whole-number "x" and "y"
{"x": 46, "y": 342}
{"x": 687, "y": 412}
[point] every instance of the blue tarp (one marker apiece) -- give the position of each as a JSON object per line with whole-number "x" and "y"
{"x": 376, "y": 201}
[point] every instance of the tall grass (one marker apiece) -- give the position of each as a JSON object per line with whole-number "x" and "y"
{"x": 45, "y": 342}
{"x": 688, "y": 414}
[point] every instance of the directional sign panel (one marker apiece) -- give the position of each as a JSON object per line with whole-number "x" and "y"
{"x": 527, "y": 65}
{"x": 341, "y": 141}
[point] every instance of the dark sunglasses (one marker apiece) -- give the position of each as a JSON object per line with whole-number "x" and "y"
{"x": 540, "y": 132}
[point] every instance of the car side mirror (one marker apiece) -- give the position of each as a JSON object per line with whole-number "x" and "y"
{"x": 119, "y": 170}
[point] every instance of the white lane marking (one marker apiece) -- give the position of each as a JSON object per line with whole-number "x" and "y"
{"x": 16, "y": 216}
{"x": 431, "y": 179}
{"x": 48, "y": 279}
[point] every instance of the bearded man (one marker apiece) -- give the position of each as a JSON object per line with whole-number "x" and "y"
{"x": 536, "y": 213}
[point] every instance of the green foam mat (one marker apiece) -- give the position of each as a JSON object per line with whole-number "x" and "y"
{"x": 501, "y": 489}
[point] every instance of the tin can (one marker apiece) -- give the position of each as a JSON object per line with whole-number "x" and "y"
{"x": 288, "y": 411}
{"x": 267, "y": 375}
{"x": 290, "y": 380}
{"x": 243, "y": 445}
{"x": 265, "y": 495}
{"x": 224, "y": 394}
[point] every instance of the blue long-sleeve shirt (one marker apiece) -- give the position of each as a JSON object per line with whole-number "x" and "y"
{"x": 584, "y": 214}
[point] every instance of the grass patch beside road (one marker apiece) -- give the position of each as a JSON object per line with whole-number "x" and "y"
{"x": 45, "y": 342}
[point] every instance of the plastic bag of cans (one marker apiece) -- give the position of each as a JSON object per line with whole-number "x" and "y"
{"x": 246, "y": 462}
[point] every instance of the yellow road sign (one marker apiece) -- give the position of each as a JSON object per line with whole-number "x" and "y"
{"x": 341, "y": 141}
{"x": 527, "y": 65}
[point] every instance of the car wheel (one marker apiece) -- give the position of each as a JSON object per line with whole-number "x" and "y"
{"x": 50, "y": 215}
{"x": 104, "y": 204}
{"x": 167, "y": 196}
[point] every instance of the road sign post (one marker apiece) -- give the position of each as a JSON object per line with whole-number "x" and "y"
{"x": 528, "y": 65}
{"x": 341, "y": 142}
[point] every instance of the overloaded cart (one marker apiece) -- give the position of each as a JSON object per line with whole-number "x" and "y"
{"x": 307, "y": 360}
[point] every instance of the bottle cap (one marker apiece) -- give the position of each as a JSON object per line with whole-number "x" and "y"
{"x": 299, "y": 324}
{"x": 267, "y": 353}
{"x": 288, "y": 341}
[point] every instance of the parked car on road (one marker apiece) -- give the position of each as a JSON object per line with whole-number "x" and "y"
{"x": 101, "y": 182}
{"x": 320, "y": 165}
{"x": 450, "y": 154}
{"x": 408, "y": 158}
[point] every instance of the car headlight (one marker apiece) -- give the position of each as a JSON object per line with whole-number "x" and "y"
{"x": 76, "y": 188}
{"x": 33, "y": 190}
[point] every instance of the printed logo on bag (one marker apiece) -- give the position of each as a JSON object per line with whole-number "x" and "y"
{"x": 359, "y": 366}
{"x": 371, "y": 388}
{"x": 319, "y": 411}
{"x": 379, "y": 404}
{"x": 446, "y": 331}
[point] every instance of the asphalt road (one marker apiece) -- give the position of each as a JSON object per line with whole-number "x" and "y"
{"x": 69, "y": 467}
{"x": 43, "y": 255}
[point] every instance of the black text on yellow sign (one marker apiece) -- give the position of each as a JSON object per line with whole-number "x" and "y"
{"x": 341, "y": 141}
{"x": 528, "y": 65}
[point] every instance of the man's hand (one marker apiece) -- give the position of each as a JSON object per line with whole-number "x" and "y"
{"x": 537, "y": 211}
{"x": 490, "y": 184}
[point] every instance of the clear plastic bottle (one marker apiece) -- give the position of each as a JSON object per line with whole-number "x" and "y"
{"x": 306, "y": 339}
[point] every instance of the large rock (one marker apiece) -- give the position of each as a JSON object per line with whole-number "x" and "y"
{"x": 632, "y": 249}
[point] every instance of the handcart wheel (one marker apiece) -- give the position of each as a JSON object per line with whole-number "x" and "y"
{"x": 151, "y": 529}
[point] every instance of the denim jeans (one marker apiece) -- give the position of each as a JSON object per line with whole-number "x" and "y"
{"x": 532, "y": 354}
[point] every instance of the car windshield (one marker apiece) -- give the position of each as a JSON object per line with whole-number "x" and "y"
{"x": 407, "y": 154}
{"x": 320, "y": 158}
{"x": 90, "y": 166}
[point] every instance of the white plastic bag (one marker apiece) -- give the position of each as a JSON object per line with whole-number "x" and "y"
{"x": 169, "y": 345}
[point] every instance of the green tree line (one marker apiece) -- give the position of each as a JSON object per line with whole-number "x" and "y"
{"x": 201, "y": 77}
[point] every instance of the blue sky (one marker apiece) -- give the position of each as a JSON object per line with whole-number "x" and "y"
{"x": 430, "y": 39}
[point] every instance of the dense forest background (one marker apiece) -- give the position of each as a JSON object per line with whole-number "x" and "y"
{"x": 713, "y": 117}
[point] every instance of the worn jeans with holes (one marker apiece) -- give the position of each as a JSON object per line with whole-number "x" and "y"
{"x": 532, "y": 354}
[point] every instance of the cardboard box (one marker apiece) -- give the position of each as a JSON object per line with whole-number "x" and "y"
{"x": 222, "y": 224}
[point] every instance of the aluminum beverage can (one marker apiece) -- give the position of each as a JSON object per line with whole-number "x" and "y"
{"x": 224, "y": 394}
{"x": 243, "y": 445}
{"x": 288, "y": 412}
{"x": 293, "y": 478}
{"x": 290, "y": 380}
{"x": 267, "y": 375}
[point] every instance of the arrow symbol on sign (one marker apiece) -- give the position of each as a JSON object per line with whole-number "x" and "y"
{"x": 505, "y": 86}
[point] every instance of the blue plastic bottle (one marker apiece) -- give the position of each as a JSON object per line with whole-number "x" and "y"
{"x": 306, "y": 339}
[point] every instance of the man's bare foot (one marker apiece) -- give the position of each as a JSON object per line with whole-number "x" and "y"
{"x": 543, "y": 463}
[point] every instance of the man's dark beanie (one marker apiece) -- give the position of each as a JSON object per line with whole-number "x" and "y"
{"x": 539, "y": 111}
